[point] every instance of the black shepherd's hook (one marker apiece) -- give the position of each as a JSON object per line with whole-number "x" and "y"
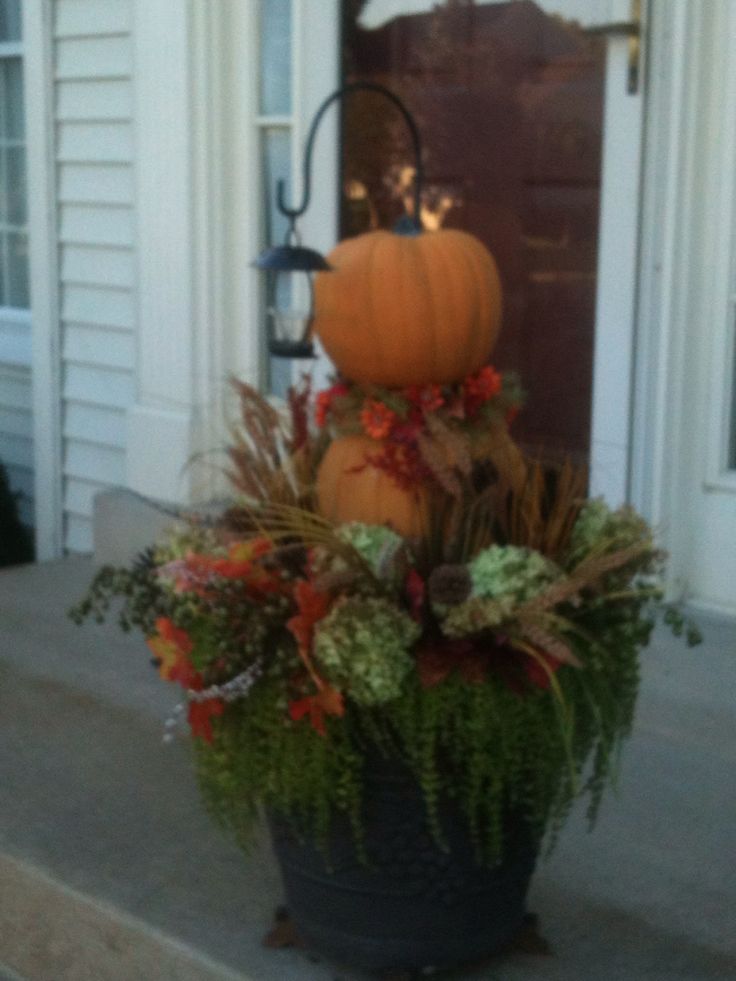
{"x": 293, "y": 213}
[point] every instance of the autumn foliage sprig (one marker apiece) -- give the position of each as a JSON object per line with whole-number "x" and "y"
{"x": 410, "y": 425}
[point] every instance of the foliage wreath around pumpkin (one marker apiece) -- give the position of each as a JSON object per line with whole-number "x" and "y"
{"x": 495, "y": 652}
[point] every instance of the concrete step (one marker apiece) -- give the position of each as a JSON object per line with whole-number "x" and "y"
{"x": 99, "y": 816}
{"x": 111, "y": 871}
{"x": 7, "y": 975}
{"x": 85, "y": 940}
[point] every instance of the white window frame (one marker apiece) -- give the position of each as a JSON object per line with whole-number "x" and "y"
{"x": 15, "y": 322}
{"x": 314, "y": 27}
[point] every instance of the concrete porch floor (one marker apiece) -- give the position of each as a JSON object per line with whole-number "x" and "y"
{"x": 109, "y": 868}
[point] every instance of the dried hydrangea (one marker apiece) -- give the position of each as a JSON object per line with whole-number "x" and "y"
{"x": 508, "y": 570}
{"x": 362, "y": 646}
{"x": 182, "y": 539}
{"x": 600, "y": 528}
{"x": 378, "y": 545}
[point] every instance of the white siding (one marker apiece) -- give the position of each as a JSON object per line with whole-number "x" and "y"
{"x": 94, "y": 154}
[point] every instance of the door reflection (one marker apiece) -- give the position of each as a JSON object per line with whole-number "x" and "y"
{"x": 509, "y": 100}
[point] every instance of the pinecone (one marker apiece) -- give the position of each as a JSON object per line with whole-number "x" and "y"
{"x": 449, "y": 585}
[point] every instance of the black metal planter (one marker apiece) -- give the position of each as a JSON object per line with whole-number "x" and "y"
{"x": 416, "y": 905}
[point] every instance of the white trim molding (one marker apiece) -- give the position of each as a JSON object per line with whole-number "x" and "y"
{"x": 181, "y": 361}
{"x": 613, "y": 356}
{"x": 685, "y": 281}
{"x": 316, "y": 72}
{"x": 40, "y": 130}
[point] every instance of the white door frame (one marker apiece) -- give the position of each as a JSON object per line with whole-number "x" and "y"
{"x": 613, "y": 360}
{"x": 684, "y": 297}
{"x": 317, "y": 29}
{"x": 666, "y": 214}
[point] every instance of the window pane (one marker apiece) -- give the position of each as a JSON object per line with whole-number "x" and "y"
{"x": 16, "y": 185}
{"x": 13, "y": 124}
{"x": 275, "y": 57}
{"x": 17, "y": 245}
{"x": 3, "y": 277}
{"x": 732, "y": 440}
{"x": 10, "y": 22}
{"x": 277, "y": 165}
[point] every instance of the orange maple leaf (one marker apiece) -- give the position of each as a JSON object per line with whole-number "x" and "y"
{"x": 327, "y": 701}
{"x": 171, "y": 647}
{"x": 313, "y": 607}
{"x": 200, "y": 717}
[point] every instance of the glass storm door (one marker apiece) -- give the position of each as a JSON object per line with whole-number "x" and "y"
{"x": 531, "y": 121}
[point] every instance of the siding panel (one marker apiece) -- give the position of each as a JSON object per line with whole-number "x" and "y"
{"x": 88, "y": 225}
{"x": 95, "y": 155}
{"x": 80, "y": 495}
{"x": 98, "y": 386}
{"x": 16, "y": 451}
{"x": 95, "y": 142}
{"x": 16, "y": 422}
{"x": 87, "y": 183}
{"x": 15, "y": 387}
{"x": 94, "y": 58}
{"x": 92, "y": 305}
{"x": 114, "y": 267}
{"x": 15, "y": 345}
{"x": 78, "y": 534}
{"x": 90, "y": 461}
{"x": 80, "y": 18}
{"x": 103, "y": 348}
{"x": 94, "y": 424}
{"x": 94, "y": 100}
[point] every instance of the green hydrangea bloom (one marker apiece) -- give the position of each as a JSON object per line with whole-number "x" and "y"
{"x": 362, "y": 646}
{"x": 599, "y": 528}
{"x": 180, "y": 540}
{"x": 508, "y": 570}
{"x": 378, "y": 545}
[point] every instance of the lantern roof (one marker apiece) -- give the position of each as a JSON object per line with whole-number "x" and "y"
{"x": 291, "y": 258}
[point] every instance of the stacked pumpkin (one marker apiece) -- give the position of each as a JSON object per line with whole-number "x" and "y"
{"x": 404, "y": 312}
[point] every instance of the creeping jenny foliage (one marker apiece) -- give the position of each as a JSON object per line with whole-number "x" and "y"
{"x": 483, "y": 745}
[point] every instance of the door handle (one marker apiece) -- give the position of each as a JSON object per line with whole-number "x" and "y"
{"x": 632, "y": 30}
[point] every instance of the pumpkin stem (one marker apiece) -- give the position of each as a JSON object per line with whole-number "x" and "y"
{"x": 406, "y": 225}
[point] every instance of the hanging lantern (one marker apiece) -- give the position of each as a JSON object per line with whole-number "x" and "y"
{"x": 289, "y": 268}
{"x": 289, "y": 273}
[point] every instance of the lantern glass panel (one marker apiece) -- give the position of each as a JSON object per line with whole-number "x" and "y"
{"x": 289, "y": 306}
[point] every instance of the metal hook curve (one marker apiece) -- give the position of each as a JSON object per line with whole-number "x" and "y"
{"x": 293, "y": 213}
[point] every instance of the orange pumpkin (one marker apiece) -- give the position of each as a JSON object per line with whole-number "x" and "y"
{"x": 409, "y": 309}
{"x": 368, "y": 494}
